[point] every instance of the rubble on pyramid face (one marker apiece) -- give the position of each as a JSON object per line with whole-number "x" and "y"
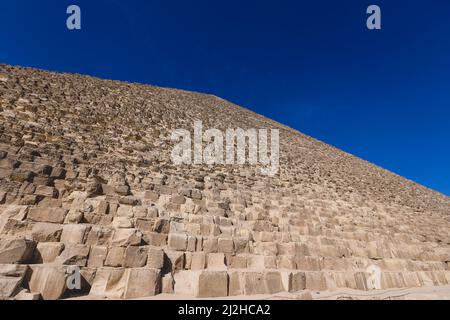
{"x": 87, "y": 181}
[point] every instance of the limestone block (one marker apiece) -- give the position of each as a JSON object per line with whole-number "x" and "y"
{"x": 74, "y": 254}
{"x": 16, "y": 251}
{"x": 225, "y": 245}
{"x": 212, "y": 284}
{"x": 126, "y": 237}
{"x": 155, "y": 239}
{"x": 135, "y": 257}
{"x": 125, "y": 211}
{"x": 115, "y": 257}
{"x": 48, "y": 214}
{"x": 47, "y": 252}
{"x": 97, "y": 256}
{"x": 168, "y": 284}
{"x": 272, "y": 282}
{"x": 210, "y": 245}
{"x": 178, "y": 199}
{"x": 174, "y": 260}
{"x": 216, "y": 261}
{"x": 99, "y": 235}
{"x": 308, "y": 263}
{"x": 129, "y": 201}
{"x": 155, "y": 258}
{"x": 286, "y": 262}
{"x": 235, "y": 283}
{"x": 162, "y": 226}
{"x": 202, "y": 284}
{"x": 145, "y": 224}
{"x": 24, "y": 295}
{"x": 191, "y": 243}
{"x": 49, "y": 281}
{"x": 122, "y": 223}
{"x": 238, "y": 262}
{"x": 198, "y": 261}
{"x": 255, "y": 262}
{"x": 74, "y": 233}
{"x": 253, "y": 283}
{"x": 178, "y": 241}
{"x": 11, "y": 278}
{"x": 142, "y": 282}
{"x": 46, "y": 232}
{"x": 315, "y": 281}
{"x": 119, "y": 283}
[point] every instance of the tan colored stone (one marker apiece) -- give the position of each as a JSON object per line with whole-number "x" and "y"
{"x": 49, "y": 281}
{"x": 16, "y": 251}
{"x": 51, "y": 215}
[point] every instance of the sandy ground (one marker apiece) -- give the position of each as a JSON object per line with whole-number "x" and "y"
{"x": 423, "y": 293}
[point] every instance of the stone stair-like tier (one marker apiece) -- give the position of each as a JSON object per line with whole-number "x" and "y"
{"x": 86, "y": 180}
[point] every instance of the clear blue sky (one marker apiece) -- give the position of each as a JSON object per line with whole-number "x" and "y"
{"x": 313, "y": 65}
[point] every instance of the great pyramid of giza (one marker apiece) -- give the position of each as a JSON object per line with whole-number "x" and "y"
{"x": 86, "y": 180}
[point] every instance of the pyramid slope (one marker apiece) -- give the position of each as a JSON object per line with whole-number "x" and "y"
{"x": 86, "y": 179}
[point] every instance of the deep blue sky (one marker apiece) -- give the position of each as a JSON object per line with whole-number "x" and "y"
{"x": 313, "y": 65}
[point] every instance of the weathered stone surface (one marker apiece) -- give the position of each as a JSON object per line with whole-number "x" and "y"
{"x": 142, "y": 282}
{"x": 132, "y": 283}
{"x": 174, "y": 260}
{"x": 74, "y": 234}
{"x": 96, "y": 187}
{"x": 46, "y": 232}
{"x": 178, "y": 241}
{"x": 126, "y": 237}
{"x": 11, "y": 278}
{"x": 49, "y": 281}
{"x": 52, "y": 215}
{"x": 97, "y": 256}
{"x": 155, "y": 258}
{"x": 47, "y": 252}
{"x": 135, "y": 257}
{"x": 74, "y": 254}
{"x": 16, "y": 251}
{"x": 115, "y": 257}
{"x": 204, "y": 284}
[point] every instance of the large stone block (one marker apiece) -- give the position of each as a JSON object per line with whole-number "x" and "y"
{"x": 202, "y": 284}
{"x": 216, "y": 261}
{"x": 115, "y": 257}
{"x": 97, "y": 256}
{"x": 178, "y": 241}
{"x": 127, "y": 237}
{"x": 198, "y": 261}
{"x": 75, "y": 234}
{"x": 135, "y": 257}
{"x": 46, "y": 232}
{"x": 315, "y": 281}
{"x": 49, "y": 281}
{"x": 142, "y": 282}
{"x": 47, "y": 214}
{"x": 47, "y": 252}
{"x": 74, "y": 254}
{"x": 155, "y": 258}
{"x": 155, "y": 239}
{"x": 16, "y": 251}
{"x": 11, "y": 278}
{"x": 119, "y": 283}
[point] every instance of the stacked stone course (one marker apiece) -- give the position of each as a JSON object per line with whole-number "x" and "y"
{"x": 86, "y": 180}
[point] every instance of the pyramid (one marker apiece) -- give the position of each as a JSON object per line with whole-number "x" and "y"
{"x": 91, "y": 203}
